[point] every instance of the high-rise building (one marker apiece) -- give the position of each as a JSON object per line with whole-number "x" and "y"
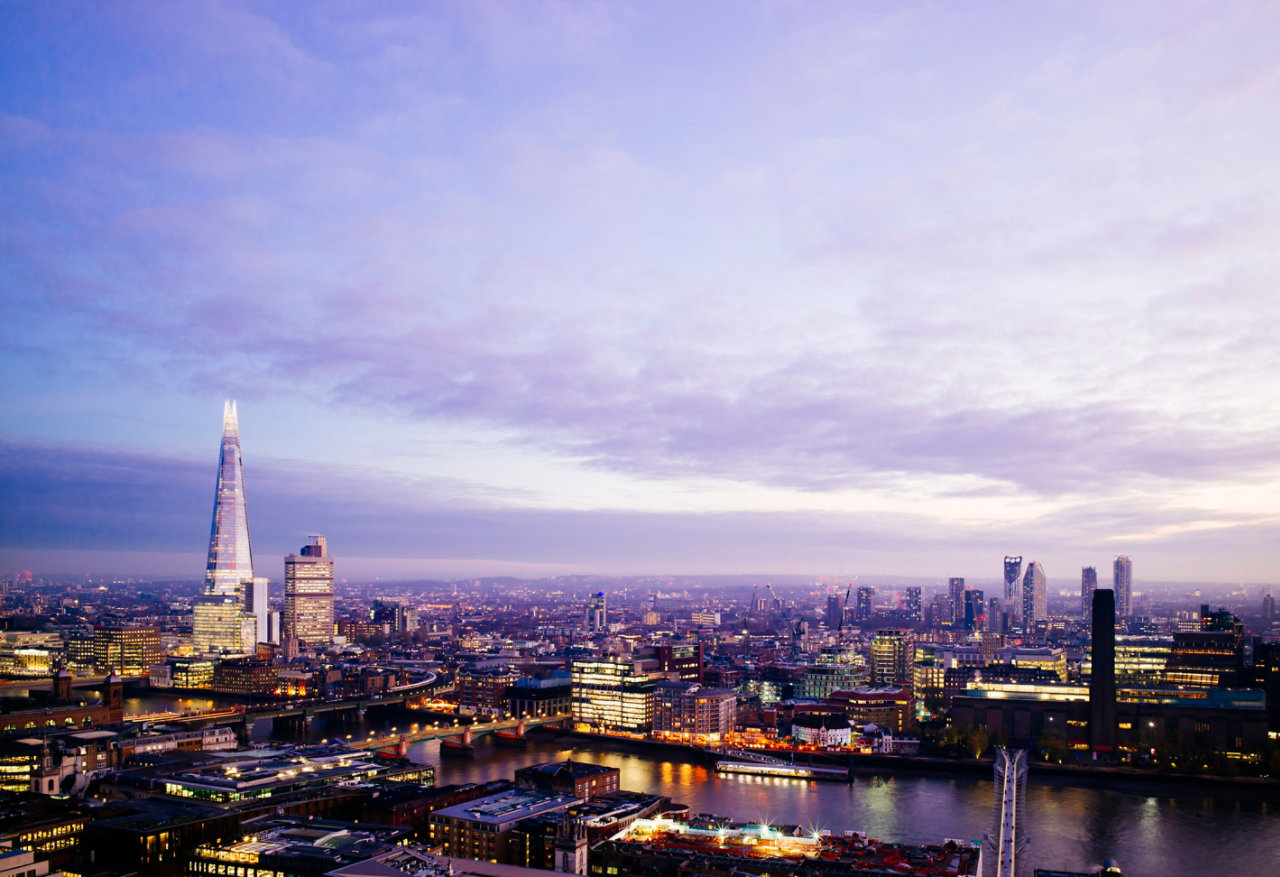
{"x": 866, "y": 603}
{"x": 915, "y": 611}
{"x": 1124, "y": 586}
{"x": 308, "y": 595}
{"x": 229, "y": 571}
{"x": 974, "y": 612}
{"x": 955, "y": 590}
{"x": 1268, "y": 608}
{"x": 1088, "y": 584}
{"x": 891, "y": 653}
{"x": 1035, "y": 595}
{"x": 1012, "y": 585}
{"x": 597, "y": 616}
{"x": 835, "y": 609}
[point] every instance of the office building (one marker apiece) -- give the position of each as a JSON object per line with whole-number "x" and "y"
{"x": 308, "y": 595}
{"x": 915, "y": 608}
{"x": 1123, "y": 581}
{"x": 1088, "y": 584}
{"x": 1012, "y": 585}
{"x": 835, "y": 611}
{"x": 974, "y": 611}
{"x": 229, "y": 570}
{"x": 597, "y": 615}
{"x": 611, "y": 694}
{"x": 126, "y": 650}
{"x": 220, "y": 624}
{"x": 686, "y": 710}
{"x": 955, "y": 591}
{"x": 1035, "y": 595}
{"x": 891, "y": 654}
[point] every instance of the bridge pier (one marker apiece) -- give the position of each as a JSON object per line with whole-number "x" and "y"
{"x": 244, "y": 733}
{"x": 344, "y": 718}
{"x": 288, "y": 726}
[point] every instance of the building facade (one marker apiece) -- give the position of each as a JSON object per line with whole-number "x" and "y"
{"x": 1122, "y": 581}
{"x": 308, "y": 595}
{"x": 610, "y": 694}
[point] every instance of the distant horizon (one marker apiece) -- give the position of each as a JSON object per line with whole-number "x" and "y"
{"x": 788, "y": 579}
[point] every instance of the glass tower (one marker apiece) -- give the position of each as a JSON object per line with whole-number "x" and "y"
{"x": 230, "y": 559}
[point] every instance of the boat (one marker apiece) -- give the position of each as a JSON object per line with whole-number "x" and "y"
{"x": 509, "y": 739}
{"x": 794, "y": 771}
{"x": 456, "y": 749}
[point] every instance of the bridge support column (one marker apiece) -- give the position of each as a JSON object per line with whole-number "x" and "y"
{"x": 288, "y": 726}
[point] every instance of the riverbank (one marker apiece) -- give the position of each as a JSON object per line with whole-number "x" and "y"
{"x": 1121, "y": 778}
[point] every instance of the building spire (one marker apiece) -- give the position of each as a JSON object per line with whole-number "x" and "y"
{"x": 230, "y": 424}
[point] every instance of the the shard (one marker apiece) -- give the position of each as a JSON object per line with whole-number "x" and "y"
{"x": 232, "y": 614}
{"x": 230, "y": 558}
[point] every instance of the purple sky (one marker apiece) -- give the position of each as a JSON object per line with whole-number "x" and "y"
{"x": 656, "y": 287}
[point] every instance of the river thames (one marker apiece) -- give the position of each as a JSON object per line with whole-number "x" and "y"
{"x": 1151, "y": 830}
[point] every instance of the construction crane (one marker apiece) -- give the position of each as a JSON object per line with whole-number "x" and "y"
{"x": 844, "y": 608}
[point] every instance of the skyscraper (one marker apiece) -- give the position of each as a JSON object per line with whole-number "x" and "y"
{"x": 597, "y": 615}
{"x": 1035, "y": 595}
{"x": 1012, "y": 581}
{"x": 865, "y": 606}
{"x": 891, "y": 655}
{"x": 1088, "y": 584}
{"x": 835, "y": 610}
{"x": 229, "y": 571}
{"x": 955, "y": 590}
{"x": 915, "y": 611}
{"x": 1123, "y": 586}
{"x": 230, "y": 557}
{"x": 974, "y": 612}
{"x": 308, "y": 595}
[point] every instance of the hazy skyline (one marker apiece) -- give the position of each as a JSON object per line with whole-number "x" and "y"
{"x": 604, "y": 287}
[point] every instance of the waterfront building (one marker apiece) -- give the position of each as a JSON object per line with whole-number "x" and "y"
{"x": 1035, "y": 596}
{"x": 246, "y": 676}
{"x": 611, "y": 694}
{"x": 821, "y": 729}
{"x": 686, "y": 710}
{"x": 229, "y": 569}
{"x": 1123, "y": 582}
{"x": 575, "y": 779}
{"x": 544, "y": 695}
{"x": 1012, "y": 585}
{"x": 663, "y": 847}
{"x": 308, "y": 595}
{"x": 126, "y": 649}
{"x": 485, "y": 691}
{"x": 1088, "y": 584}
{"x": 891, "y": 654}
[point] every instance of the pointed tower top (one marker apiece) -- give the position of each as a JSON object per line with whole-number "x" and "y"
{"x": 230, "y": 425}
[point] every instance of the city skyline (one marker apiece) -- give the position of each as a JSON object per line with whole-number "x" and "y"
{"x": 531, "y": 289}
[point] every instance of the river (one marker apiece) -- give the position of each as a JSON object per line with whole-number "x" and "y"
{"x": 1153, "y": 831}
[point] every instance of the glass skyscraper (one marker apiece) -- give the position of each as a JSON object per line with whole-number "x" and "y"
{"x": 229, "y": 571}
{"x": 230, "y": 558}
{"x": 308, "y": 595}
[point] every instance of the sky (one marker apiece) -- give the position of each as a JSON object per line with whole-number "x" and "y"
{"x": 534, "y": 288}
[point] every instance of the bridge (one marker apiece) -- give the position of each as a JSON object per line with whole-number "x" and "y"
{"x": 415, "y": 733}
